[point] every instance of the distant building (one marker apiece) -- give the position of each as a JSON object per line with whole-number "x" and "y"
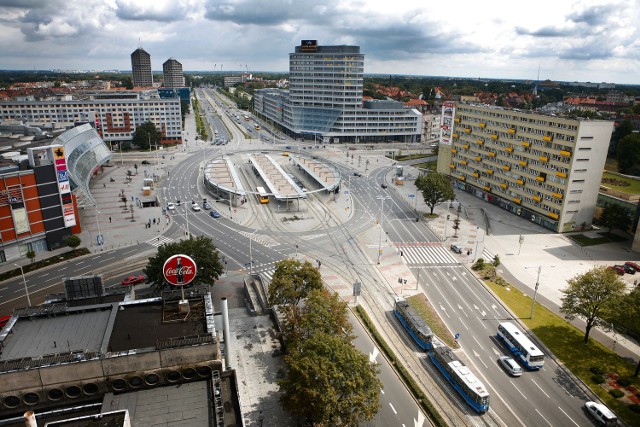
{"x": 115, "y": 115}
{"x": 173, "y": 76}
{"x": 430, "y": 128}
{"x": 544, "y": 168}
{"x": 141, "y": 68}
{"x": 324, "y": 100}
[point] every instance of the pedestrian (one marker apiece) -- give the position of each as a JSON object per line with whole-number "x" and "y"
{"x": 104, "y": 185}
{"x": 154, "y": 221}
{"x": 109, "y": 220}
{"x": 132, "y": 198}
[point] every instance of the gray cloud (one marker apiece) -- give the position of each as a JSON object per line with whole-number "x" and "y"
{"x": 274, "y": 12}
{"x": 164, "y": 12}
{"x": 594, "y": 15}
{"x": 546, "y": 32}
{"x": 24, "y": 4}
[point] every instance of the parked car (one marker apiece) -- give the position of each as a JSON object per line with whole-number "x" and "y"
{"x": 383, "y": 185}
{"x": 628, "y": 269}
{"x": 133, "y": 280}
{"x": 511, "y": 366}
{"x": 4, "y": 320}
{"x": 171, "y": 206}
{"x": 357, "y": 174}
{"x": 146, "y": 162}
{"x": 617, "y": 268}
{"x": 206, "y": 205}
{"x": 195, "y": 207}
{"x": 601, "y": 414}
{"x": 633, "y": 265}
{"x": 214, "y": 214}
{"x": 457, "y": 249}
{"x": 177, "y": 202}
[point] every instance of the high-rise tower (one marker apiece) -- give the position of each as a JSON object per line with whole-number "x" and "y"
{"x": 173, "y": 76}
{"x": 141, "y": 68}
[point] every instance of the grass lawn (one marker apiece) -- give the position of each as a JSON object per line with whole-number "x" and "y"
{"x": 591, "y": 241}
{"x": 566, "y": 342}
{"x": 410, "y": 156}
{"x": 428, "y": 313}
{"x": 632, "y": 188}
{"x": 426, "y": 165}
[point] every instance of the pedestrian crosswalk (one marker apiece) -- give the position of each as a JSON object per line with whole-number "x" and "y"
{"x": 266, "y": 272}
{"x": 159, "y": 241}
{"x": 263, "y": 240}
{"x": 488, "y": 256}
{"x": 426, "y": 254}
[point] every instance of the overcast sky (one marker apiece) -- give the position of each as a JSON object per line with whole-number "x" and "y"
{"x": 585, "y": 40}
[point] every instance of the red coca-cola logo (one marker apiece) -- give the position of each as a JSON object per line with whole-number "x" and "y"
{"x": 179, "y": 270}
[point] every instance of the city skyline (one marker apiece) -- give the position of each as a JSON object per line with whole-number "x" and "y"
{"x": 594, "y": 41}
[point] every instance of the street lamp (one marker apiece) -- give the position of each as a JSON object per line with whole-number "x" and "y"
{"x": 382, "y": 199}
{"x": 99, "y": 237}
{"x": 535, "y": 292}
{"x": 26, "y": 290}
{"x": 251, "y": 252}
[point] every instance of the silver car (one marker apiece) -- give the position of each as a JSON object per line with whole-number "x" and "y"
{"x": 511, "y": 366}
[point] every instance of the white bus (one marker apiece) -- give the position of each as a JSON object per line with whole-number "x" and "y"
{"x": 263, "y": 197}
{"x": 520, "y": 345}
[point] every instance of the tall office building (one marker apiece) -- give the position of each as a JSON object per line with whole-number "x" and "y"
{"x": 141, "y": 68}
{"x": 173, "y": 76}
{"x": 325, "y": 100}
{"x": 544, "y": 168}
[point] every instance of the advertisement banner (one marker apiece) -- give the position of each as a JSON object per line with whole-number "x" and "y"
{"x": 69, "y": 216}
{"x": 446, "y": 124}
{"x": 20, "y": 220}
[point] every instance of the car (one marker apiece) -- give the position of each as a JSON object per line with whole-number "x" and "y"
{"x": 510, "y": 365}
{"x": 206, "y": 205}
{"x": 457, "y": 249}
{"x": 601, "y": 413}
{"x": 195, "y": 207}
{"x": 171, "y": 206}
{"x": 628, "y": 269}
{"x": 617, "y": 268}
{"x": 357, "y": 174}
{"x": 383, "y": 185}
{"x": 633, "y": 265}
{"x": 177, "y": 202}
{"x": 146, "y": 162}
{"x": 133, "y": 280}
{"x": 4, "y": 320}
{"x": 288, "y": 147}
{"x": 214, "y": 214}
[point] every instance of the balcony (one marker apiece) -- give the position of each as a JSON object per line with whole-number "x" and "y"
{"x": 522, "y": 163}
{"x": 464, "y": 162}
{"x": 451, "y": 165}
{"x": 503, "y": 185}
{"x": 490, "y": 171}
{"x": 557, "y": 195}
{"x": 477, "y": 158}
{"x": 492, "y": 154}
{"x": 479, "y": 141}
{"x": 512, "y": 131}
{"x": 487, "y": 188}
{"x": 553, "y": 215}
{"x": 467, "y": 130}
{"x": 537, "y": 198}
{"x": 520, "y": 181}
{"x": 494, "y": 136}
{"x": 465, "y": 146}
{"x": 509, "y": 149}
{"x": 455, "y": 135}
{"x": 540, "y": 178}
{"x": 565, "y": 153}
{"x": 515, "y": 199}
{"x": 506, "y": 167}
{"x": 547, "y": 138}
{"x": 454, "y": 151}
{"x": 462, "y": 177}
{"x": 561, "y": 174}
{"x": 526, "y": 144}
{"x": 457, "y": 120}
{"x": 544, "y": 158}
{"x": 482, "y": 125}
{"x": 476, "y": 175}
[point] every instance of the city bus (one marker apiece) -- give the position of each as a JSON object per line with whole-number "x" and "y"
{"x": 520, "y": 345}
{"x": 262, "y": 195}
{"x": 246, "y": 117}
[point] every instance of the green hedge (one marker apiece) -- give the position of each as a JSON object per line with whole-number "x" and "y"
{"x": 44, "y": 262}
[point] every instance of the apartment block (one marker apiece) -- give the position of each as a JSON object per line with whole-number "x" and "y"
{"x": 172, "y": 73}
{"x": 141, "y": 68}
{"x": 541, "y": 167}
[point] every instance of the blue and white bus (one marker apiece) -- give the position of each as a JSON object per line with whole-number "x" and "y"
{"x": 520, "y": 345}
{"x": 413, "y": 323}
{"x": 460, "y": 377}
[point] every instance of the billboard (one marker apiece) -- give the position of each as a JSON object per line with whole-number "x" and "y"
{"x": 446, "y": 124}
{"x": 309, "y": 46}
{"x": 64, "y": 187}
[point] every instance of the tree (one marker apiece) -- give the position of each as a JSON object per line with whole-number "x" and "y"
{"x": 628, "y": 155}
{"x": 31, "y": 254}
{"x": 495, "y": 263}
{"x": 591, "y": 296}
{"x": 145, "y": 135}
{"x": 330, "y": 383}
{"x": 73, "y": 241}
{"x": 615, "y": 216}
{"x": 203, "y": 252}
{"x": 628, "y": 318}
{"x": 436, "y": 188}
{"x": 623, "y": 129}
{"x": 293, "y": 281}
{"x": 322, "y": 311}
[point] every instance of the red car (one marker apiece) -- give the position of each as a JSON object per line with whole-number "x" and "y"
{"x": 633, "y": 265}
{"x": 617, "y": 268}
{"x": 4, "y": 320}
{"x": 133, "y": 280}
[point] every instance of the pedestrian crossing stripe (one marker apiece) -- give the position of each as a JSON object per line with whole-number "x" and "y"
{"x": 266, "y": 274}
{"x": 404, "y": 244}
{"x": 263, "y": 240}
{"x": 159, "y": 241}
{"x": 487, "y": 255}
{"x": 427, "y": 255}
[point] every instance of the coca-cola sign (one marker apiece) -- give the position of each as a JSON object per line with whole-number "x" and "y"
{"x": 179, "y": 270}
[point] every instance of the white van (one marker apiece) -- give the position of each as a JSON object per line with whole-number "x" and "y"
{"x": 601, "y": 413}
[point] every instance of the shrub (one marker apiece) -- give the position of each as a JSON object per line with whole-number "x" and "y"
{"x": 624, "y": 382}
{"x": 597, "y": 379}
{"x": 635, "y": 408}
{"x": 596, "y": 370}
{"x": 616, "y": 393}
{"x": 478, "y": 265}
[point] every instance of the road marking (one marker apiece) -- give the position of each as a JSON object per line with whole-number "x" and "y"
{"x": 533, "y": 381}
{"x": 45, "y": 274}
{"x": 569, "y": 417}
{"x": 393, "y": 409}
{"x": 517, "y": 388}
{"x": 543, "y": 417}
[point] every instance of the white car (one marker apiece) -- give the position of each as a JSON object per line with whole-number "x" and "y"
{"x": 171, "y": 207}
{"x": 195, "y": 207}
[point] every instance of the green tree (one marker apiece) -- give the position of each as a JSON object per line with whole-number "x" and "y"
{"x": 436, "y": 188}
{"x": 628, "y": 319}
{"x": 591, "y": 297}
{"x": 201, "y": 249}
{"x": 31, "y": 254}
{"x": 322, "y": 311}
{"x": 628, "y": 155}
{"x": 293, "y": 281}
{"x": 145, "y": 135}
{"x": 330, "y": 383}
{"x": 623, "y": 129}
{"x": 615, "y": 216}
{"x": 127, "y": 82}
{"x": 495, "y": 263}
{"x": 73, "y": 241}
